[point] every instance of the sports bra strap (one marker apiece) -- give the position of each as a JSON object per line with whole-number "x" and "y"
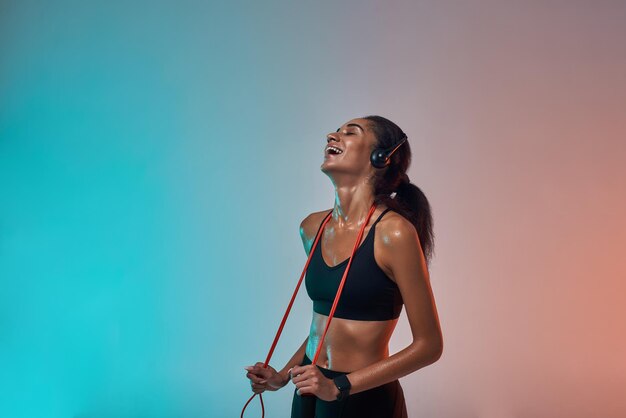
{"x": 380, "y": 216}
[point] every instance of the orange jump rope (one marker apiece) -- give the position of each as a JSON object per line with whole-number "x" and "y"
{"x": 332, "y": 310}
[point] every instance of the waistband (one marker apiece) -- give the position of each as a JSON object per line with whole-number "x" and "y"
{"x": 331, "y": 374}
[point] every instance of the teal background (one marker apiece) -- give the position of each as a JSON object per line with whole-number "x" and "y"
{"x": 156, "y": 159}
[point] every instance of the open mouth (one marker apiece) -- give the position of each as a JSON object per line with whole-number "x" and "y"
{"x": 333, "y": 150}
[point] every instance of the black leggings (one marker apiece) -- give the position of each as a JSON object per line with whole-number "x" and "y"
{"x": 385, "y": 401}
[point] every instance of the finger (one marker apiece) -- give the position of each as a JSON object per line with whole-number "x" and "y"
{"x": 298, "y": 379}
{"x": 261, "y": 365}
{"x": 251, "y": 369}
{"x": 312, "y": 382}
{"x": 261, "y": 386}
{"x": 305, "y": 390}
{"x": 260, "y": 371}
{"x": 255, "y": 378}
{"x": 296, "y": 370}
{"x": 265, "y": 373}
{"x": 258, "y": 365}
{"x": 308, "y": 374}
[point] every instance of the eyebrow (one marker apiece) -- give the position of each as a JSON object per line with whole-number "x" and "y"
{"x": 353, "y": 124}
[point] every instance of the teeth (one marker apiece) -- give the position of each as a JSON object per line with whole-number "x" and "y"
{"x": 337, "y": 150}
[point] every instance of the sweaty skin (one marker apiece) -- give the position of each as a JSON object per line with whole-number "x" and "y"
{"x": 360, "y": 348}
{"x": 349, "y": 344}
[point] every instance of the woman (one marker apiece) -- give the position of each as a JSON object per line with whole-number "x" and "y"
{"x": 354, "y": 375}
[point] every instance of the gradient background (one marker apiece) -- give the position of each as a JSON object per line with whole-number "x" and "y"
{"x": 156, "y": 159}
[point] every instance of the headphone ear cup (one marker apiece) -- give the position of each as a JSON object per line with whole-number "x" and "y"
{"x": 379, "y": 158}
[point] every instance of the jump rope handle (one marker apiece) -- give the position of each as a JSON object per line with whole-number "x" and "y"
{"x": 293, "y": 297}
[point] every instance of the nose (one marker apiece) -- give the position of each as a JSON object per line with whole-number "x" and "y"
{"x": 331, "y": 136}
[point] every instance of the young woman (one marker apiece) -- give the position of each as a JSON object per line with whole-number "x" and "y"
{"x": 355, "y": 376}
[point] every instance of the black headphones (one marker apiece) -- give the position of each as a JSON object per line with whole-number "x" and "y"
{"x": 381, "y": 157}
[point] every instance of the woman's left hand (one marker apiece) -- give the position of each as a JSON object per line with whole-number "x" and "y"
{"x": 309, "y": 380}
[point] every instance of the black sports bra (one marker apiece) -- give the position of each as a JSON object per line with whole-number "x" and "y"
{"x": 368, "y": 294}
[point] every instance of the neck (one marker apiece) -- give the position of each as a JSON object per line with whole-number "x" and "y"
{"x": 352, "y": 203}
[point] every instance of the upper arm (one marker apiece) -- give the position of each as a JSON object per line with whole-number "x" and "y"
{"x": 404, "y": 258}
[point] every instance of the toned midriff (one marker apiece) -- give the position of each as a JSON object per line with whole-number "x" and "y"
{"x": 349, "y": 344}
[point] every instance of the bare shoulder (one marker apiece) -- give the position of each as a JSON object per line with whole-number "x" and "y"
{"x": 395, "y": 226}
{"x": 395, "y": 236}
{"x": 309, "y": 227}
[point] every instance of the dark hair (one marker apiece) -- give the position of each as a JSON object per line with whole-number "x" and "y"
{"x": 409, "y": 200}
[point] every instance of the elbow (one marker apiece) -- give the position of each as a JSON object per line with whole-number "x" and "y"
{"x": 437, "y": 352}
{"x": 434, "y": 351}
{"x": 430, "y": 350}
{"x": 437, "y": 347}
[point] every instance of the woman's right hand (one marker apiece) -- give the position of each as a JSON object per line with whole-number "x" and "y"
{"x": 265, "y": 378}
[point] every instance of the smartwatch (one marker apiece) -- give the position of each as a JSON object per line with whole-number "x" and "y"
{"x": 343, "y": 384}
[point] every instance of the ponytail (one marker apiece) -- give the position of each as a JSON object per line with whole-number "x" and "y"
{"x": 393, "y": 188}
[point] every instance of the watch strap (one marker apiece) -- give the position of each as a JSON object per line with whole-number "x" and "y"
{"x": 344, "y": 386}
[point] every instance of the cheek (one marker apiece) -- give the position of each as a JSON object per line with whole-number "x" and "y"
{"x": 360, "y": 152}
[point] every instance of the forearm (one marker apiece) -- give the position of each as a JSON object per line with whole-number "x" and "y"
{"x": 402, "y": 363}
{"x": 296, "y": 360}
